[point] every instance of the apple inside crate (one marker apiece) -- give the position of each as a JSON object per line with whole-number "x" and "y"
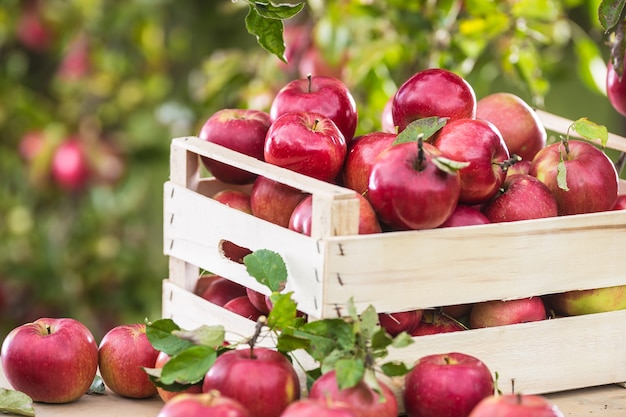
{"x": 399, "y": 271}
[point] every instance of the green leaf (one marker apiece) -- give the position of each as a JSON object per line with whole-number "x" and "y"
{"x": 154, "y": 374}
{"x": 325, "y": 336}
{"x": 268, "y": 32}
{"x": 160, "y": 336}
{"x": 369, "y": 323}
{"x": 349, "y": 372}
{"x": 561, "y": 175}
{"x": 279, "y": 11}
{"x": 611, "y": 13}
{"x": 288, "y": 343}
{"x": 394, "y": 368}
{"x": 381, "y": 339}
{"x": 427, "y": 127}
{"x": 189, "y": 366}
{"x": 16, "y": 402}
{"x": 268, "y": 268}
{"x": 448, "y": 165}
{"x": 97, "y": 386}
{"x": 591, "y": 130}
{"x": 402, "y": 340}
{"x": 283, "y": 313}
{"x": 212, "y": 336}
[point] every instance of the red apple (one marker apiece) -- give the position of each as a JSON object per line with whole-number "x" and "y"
{"x": 361, "y": 398}
{"x": 457, "y": 311}
{"x": 201, "y": 405}
{"x": 515, "y": 405}
{"x": 616, "y": 88}
{"x": 301, "y": 218}
{"x": 362, "y": 152}
{"x": 433, "y": 92}
{"x": 464, "y": 215}
{"x": 313, "y": 62}
{"x": 31, "y": 144}
{"x": 123, "y": 353}
{"x": 519, "y": 167}
{"x": 592, "y": 181}
{"x": 401, "y": 321}
{"x": 522, "y": 197}
{"x": 273, "y": 201}
{"x": 320, "y": 94}
{"x": 263, "y": 380}
{"x": 238, "y": 200}
{"x": 521, "y": 129}
{"x": 242, "y": 130}
{"x": 446, "y": 384}
{"x": 620, "y": 204}
{"x": 258, "y": 300}
{"x": 51, "y": 360}
{"x": 307, "y": 407}
{"x": 501, "y": 313}
{"x": 409, "y": 191}
{"x": 203, "y": 283}
{"x": 76, "y": 61}
{"x": 32, "y": 31}
{"x": 70, "y": 167}
{"x": 222, "y": 290}
{"x": 597, "y": 300}
{"x": 479, "y": 143}
{"x": 386, "y": 117}
{"x": 162, "y": 359}
{"x": 308, "y": 143}
{"x": 434, "y": 322}
{"x": 243, "y": 307}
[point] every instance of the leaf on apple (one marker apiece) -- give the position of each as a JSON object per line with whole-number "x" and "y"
{"x": 561, "y": 174}
{"x": 97, "y": 386}
{"x": 284, "y": 314}
{"x": 448, "y": 165}
{"x": 16, "y": 402}
{"x": 160, "y": 335}
{"x": 591, "y": 130}
{"x": 268, "y": 268}
{"x": 189, "y": 366}
{"x": 611, "y": 13}
{"x": 211, "y": 336}
{"x": 426, "y": 127}
{"x": 265, "y": 21}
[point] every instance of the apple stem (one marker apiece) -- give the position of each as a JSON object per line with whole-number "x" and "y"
{"x": 315, "y": 124}
{"x": 565, "y": 142}
{"x": 260, "y": 323}
{"x": 309, "y": 77}
{"x": 48, "y": 329}
{"x": 514, "y": 159}
{"x": 421, "y": 157}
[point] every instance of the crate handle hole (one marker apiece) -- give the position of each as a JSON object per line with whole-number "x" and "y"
{"x": 232, "y": 251}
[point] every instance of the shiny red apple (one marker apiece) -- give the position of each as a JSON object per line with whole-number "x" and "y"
{"x": 515, "y": 405}
{"x": 464, "y": 215}
{"x": 273, "y": 201}
{"x": 501, "y": 313}
{"x": 362, "y": 152}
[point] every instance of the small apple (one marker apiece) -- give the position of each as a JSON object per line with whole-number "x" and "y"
{"x": 501, "y": 313}
{"x": 123, "y": 353}
{"x": 616, "y": 88}
{"x": 591, "y": 180}
{"x": 361, "y": 398}
{"x": 480, "y": 144}
{"x": 70, "y": 166}
{"x": 32, "y": 31}
{"x": 261, "y": 379}
{"x": 409, "y": 190}
{"x": 201, "y": 405}
{"x": 434, "y": 322}
{"x": 362, "y": 152}
{"x": 515, "y": 405}
{"x": 53, "y": 360}
{"x": 597, "y": 300}
{"x": 237, "y": 199}
{"x": 464, "y": 215}
{"x": 522, "y": 197}
{"x": 301, "y": 218}
{"x": 162, "y": 359}
{"x": 31, "y": 144}
{"x": 76, "y": 63}
{"x": 401, "y": 321}
{"x": 521, "y": 128}
{"x": 222, "y": 290}
{"x": 313, "y": 62}
{"x": 386, "y": 117}
{"x": 243, "y": 307}
{"x": 307, "y": 407}
{"x": 242, "y": 130}
{"x": 433, "y": 92}
{"x": 519, "y": 167}
{"x": 446, "y": 384}
{"x": 203, "y": 282}
{"x": 273, "y": 201}
{"x": 308, "y": 143}
{"x": 258, "y": 300}
{"x": 457, "y": 311}
{"x": 319, "y": 94}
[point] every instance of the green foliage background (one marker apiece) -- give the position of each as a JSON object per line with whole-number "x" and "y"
{"x": 153, "y": 70}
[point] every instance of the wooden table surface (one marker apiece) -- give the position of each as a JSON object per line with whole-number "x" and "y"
{"x": 606, "y": 401}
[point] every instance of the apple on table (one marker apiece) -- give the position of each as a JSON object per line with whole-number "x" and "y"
{"x": 165, "y": 395}
{"x": 515, "y": 405}
{"x": 203, "y": 404}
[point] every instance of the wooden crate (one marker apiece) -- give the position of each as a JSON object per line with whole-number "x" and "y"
{"x": 398, "y": 271}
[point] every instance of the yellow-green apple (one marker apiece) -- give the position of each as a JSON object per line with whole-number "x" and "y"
{"x": 320, "y": 94}
{"x": 242, "y": 130}
{"x": 480, "y": 144}
{"x": 307, "y": 407}
{"x": 433, "y": 92}
{"x": 362, "y": 151}
{"x": 515, "y": 405}
{"x": 239, "y": 200}
{"x": 597, "y": 300}
{"x": 446, "y": 384}
{"x": 53, "y": 360}
{"x": 521, "y": 197}
{"x": 409, "y": 190}
{"x": 401, "y": 321}
{"x": 211, "y": 404}
{"x": 165, "y": 395}
{"x": 616, "y": 88}
{"x": 221, "y": 290}
{"x": 301, "y": 218}
{"x": 464, "y": 215}
{"x": 434, "y": 322}
{"x": 262, "y": 379}
{"x": 519, "y": 124}
{"x": 242, "y": 306}
{"x": 70, "y": 165}
{"x": 500, "y": 313}
{"x": 591, "y": 182}
{"x": 123, "y": 353}
{"x": 364, "y": 400}
{"x": 273, "y": 201}
{"x": 308, "y": 143}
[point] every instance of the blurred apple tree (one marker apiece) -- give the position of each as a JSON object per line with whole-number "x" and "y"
{"x": 80, "y": 230}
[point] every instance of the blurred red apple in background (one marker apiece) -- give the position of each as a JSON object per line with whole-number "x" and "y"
{"x": 500, "y": 313}
{"x": 515, "y": 405}
{"x": 70, "y": 165}
{"x": 307, "y": 407}
{"x": 201, "y": 405}
{"x": 401, "y": 321}
{"x": 616, "y": 88}
{"x": 434, "y": 322}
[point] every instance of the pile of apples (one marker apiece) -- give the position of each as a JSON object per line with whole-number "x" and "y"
{"x": 442, "y": 159}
